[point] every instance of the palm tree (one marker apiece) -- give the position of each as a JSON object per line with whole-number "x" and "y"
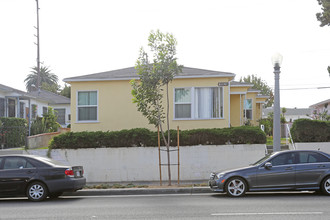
{"x": 46, "y": 77}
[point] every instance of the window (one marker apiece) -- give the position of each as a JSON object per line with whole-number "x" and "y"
{"x": 283, "y": 159}
{"x": 248, "y": 109}
{"x": 308, "y": 157}
{"x": 182, "y": 103}
{"x": 198, "y": 103}
{"x": 16, "y": 163}
{"x": 21, "y": 109}
{"x": 11, "y": 108}
{"x": 87, "y": 106}
{"x": 2, "y": 107}
{"x": 60, "y": 113}
{"x": 34, "y": 111}
{"x": 44, "y": 111}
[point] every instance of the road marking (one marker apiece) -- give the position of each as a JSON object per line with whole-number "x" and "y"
{"x": 267, "y": 213}
{"x": 128, "y": 196}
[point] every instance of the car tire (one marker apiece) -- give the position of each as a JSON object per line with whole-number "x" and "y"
{"x": 236, "y": 187}
{"x": 325, "y": 186}
{"x": 36, "y": 192}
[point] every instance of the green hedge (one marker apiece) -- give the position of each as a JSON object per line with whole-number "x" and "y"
{"x": 13, "y": 132}
{"x": 145, "y": 137}
{"x": 306, "y": 130}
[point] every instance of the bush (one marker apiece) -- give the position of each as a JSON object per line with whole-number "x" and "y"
{"x": 307, "y": 130}
{"x": 13, "y": 132}
{"x": 45, "y": 124}
{"x": 146, "y": 138}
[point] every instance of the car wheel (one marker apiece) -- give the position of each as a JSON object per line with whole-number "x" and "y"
{"x": 55, "y": 195}
{"x": 326, "y": 186}
{"x": 36, "y": 191}
{"x": 236, "y": 187}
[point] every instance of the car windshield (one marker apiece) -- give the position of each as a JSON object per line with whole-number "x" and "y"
{"x": 50, "y": 161}
{"x": 262, "y": 160}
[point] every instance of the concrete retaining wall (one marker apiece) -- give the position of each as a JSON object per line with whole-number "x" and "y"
{"x": 42, "y": 140}
{"x": 322, "y": 146}
{"x": 142, "y": 163}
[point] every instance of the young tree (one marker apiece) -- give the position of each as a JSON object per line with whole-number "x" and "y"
{"x": 260, "y": 85}
{"x": 66, "y": 91}
{"x": 48, "y": 80}
{"x": 148, "y": 91}
{"x": 324, "y": 17}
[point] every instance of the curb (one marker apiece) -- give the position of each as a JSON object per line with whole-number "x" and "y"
{"x": 139, "y": 191}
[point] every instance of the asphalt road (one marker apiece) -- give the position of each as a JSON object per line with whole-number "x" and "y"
{"x": 175, "y": 206}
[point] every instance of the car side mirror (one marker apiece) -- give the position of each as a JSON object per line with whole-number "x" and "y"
{"x": 268, "y": 165}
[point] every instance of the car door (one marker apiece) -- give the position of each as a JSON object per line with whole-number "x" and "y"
{"x": 280, "y": 175}
{"x": 15, "y": 174}
{"x": 310, "y": 168}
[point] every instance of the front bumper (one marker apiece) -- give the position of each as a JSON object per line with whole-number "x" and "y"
{"x": 216, "y": 184}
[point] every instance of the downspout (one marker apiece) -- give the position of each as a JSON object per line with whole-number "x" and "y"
{"x": 29, "y": 118}
{"x": 240, "y": 109}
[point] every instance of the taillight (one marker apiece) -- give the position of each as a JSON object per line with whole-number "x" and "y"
{"x": 69, "y": 172}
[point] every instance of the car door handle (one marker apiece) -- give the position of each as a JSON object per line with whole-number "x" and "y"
{"x": 321, "y": 166}
{"x": 29, "y": 172}
{"x": 289, "y": 168}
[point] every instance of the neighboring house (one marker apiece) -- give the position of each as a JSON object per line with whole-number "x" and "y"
{"x": 198, "y": 99}
{"x": 60, "y": 104}
{"x": 321, "y": 107}
{"x": 19, "y": 104}
{"x": 291, "y": 114}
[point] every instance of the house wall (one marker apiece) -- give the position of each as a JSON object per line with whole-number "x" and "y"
{"x": 116, "y": 110}
{"x": 236, "y": 110}
{"x": 142, "y": 163}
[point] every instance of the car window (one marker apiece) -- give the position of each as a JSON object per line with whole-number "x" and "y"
{"x": 16, "y": 163}
{"x": 312, "y": 157}
{"x": 283, "y": 159}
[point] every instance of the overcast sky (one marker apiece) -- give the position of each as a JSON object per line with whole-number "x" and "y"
{"x": 79, "y": 37}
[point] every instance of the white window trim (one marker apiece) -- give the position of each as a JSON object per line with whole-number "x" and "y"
{"x": 192, "y": 102}
{"x": 97, "y": 107}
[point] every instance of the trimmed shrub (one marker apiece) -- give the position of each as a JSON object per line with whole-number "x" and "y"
{"x": 146, "y": 138}
{"x": 13, "y": 132}
{"x": 307, "y": 130}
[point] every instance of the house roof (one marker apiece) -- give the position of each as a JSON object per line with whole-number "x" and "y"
{"x": 291, "y": 111}
{"x": 130, "y": 73}
{"x": 240, "y": 84}
{"x": 10, "y": 89}
{"x": 320, "y": 103}
{"x": 50, "y": 97}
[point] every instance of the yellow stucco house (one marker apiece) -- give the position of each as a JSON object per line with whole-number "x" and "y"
{"x": 198, "y": 99}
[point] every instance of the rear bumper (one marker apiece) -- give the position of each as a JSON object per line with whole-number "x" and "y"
{"x": 66, "y": 185}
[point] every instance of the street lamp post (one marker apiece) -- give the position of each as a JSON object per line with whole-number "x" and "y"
{"x": 277, "y": 60}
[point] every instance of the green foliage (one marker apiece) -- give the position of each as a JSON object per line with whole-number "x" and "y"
{"x": 148, "y": 91}
{"x": 306, "y": 130}
{"x": 66, "y": 91}
{"x": 48, "y": 80}
{"x": 261, "y": 85}
{"x": 324, "y": 16}
{"x": 13, "y": 132}
{"x": 142, "y": 137}
{"x": 45, "y": 124}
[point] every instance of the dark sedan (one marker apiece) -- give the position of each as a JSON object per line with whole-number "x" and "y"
{"x": 37, "y": 177}
{"x": 285, "y": 170}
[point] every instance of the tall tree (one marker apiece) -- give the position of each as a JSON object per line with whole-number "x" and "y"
{"x": 66, "y": 91}
{"x": 48, "y": 80}
{"x": 324, "y": 16}
{"x": 259, "y": 84}
{"x": 155, "y": 76}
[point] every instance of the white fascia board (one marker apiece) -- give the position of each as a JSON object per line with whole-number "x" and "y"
{"x": 237, "y": 93}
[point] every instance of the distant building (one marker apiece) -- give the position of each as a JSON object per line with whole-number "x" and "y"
{"x": 321, "y": 107}
{"x": 291, "y": 114}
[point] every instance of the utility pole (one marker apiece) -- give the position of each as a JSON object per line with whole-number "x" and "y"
{"x": 38, "y": 48}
